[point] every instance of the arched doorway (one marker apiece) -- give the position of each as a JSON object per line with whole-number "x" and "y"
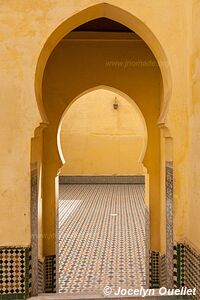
{"x": 103, "y": 138}
{"x": 45, "y": 96}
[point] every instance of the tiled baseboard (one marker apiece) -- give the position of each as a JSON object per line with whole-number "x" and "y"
{"x": 16, "y": 277}
{"x": 15, "y": 272}
{"x": 163, "y": 270}
{"x": 101, "y": 179}
{"x": 154, "y": 269}
{"x": 50, "y": 274}
{"x": 13, "y": 296}
{"x": 188, "y": 268}
{"x": 192, "y": 269}
{"x": 40, "y": 277}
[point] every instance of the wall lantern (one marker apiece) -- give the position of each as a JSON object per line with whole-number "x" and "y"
{"x": 115, "y": 104}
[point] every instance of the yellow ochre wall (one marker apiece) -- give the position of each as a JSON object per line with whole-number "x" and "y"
{"x": 193, "y": 201}
{"x": 25, "y": 28}
{"x": 97, "y": 139}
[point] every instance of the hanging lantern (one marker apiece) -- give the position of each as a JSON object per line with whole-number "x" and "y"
{"x": 115, "y": 104}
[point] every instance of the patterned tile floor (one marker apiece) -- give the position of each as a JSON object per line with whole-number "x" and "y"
{"x": 101, "y": 237}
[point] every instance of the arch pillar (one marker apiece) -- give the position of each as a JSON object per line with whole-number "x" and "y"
{"x": 167, "y": 203}
{"x": 36, "y": 203}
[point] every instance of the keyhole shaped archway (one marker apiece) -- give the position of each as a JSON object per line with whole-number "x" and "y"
{"x": 103, "y": 132}
{"x": 102, "y": 138}
{"x": 46, "y": 83}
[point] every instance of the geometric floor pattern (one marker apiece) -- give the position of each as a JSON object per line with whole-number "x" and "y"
{"x": 101, "y": 237}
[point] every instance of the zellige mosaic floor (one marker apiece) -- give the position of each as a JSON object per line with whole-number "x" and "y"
{"x": 101, "y": 237}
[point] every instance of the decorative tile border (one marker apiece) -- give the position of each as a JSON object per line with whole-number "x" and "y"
{"x": 163, "y": 270}
{"x": 14, "y": 271}
{"x": 34, "y": 228}
{"x": 154, "y": 269}
{"x": 188, "y": 268}
{"x": 169, "y": 186}
{"x": 147, "y": 244}
{"x": 50, "y": 274}
{"x": 180, "y": 265}
{"x": 40, "y": 277}
{"x": 101, "y": 179}
{"x": 29, "y": 266}
{"x": 176, "y": 276}
{"x": 12, "y": 297}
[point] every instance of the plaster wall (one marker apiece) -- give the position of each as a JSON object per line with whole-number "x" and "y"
{"x": 193, "y": 203}
{"x": 97, "y": 139}
{"x": 25, "y": 28}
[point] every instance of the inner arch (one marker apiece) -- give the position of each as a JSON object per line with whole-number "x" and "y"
{"x": 103, "y": 132}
